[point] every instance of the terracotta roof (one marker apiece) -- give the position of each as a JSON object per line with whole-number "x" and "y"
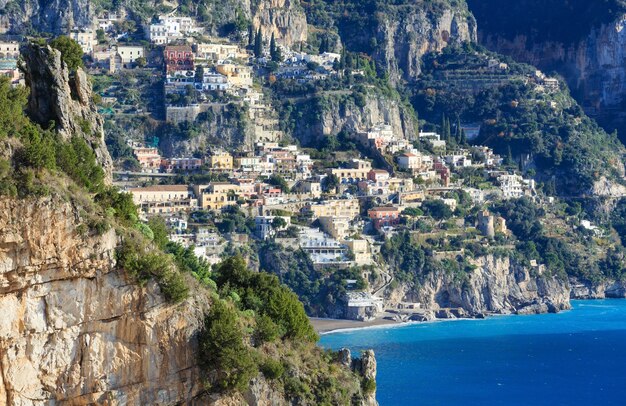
{"x": 185, "y": 48}
{"x": 384, "y": 209}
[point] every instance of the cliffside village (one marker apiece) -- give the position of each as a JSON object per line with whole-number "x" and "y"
{"x": 338, "y": 216}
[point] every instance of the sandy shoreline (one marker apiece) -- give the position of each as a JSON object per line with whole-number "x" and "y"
{"x": 327, "y": 325}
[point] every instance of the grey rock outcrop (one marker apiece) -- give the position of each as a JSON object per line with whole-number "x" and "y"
{"x": 366, "y": 367}
{"x": 56, "y": 96}
{"x": 341, "y": 113}
{"x": 602, "y": 290}
{"x": 230, "y": 127}
{"x": 283, "y": 18}
{"x": 405, "y": 36}
{"x": 54, "y": 16}
{"x": 496, "y": 285}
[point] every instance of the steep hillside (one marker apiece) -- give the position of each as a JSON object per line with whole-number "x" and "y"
{"x": 582, "y": 40}
{"x": 396, "y": 33}
{"x": 284, "y": 18}
{"x": 544, "y": 129}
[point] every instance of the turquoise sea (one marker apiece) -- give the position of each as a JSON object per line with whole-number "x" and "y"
{"x": 576, "y": 357}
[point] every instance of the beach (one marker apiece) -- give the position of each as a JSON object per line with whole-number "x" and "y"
{"x": 327, "y": 325}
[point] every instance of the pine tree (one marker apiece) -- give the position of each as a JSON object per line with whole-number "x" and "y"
{"x": 258, "y": 44}
{"x": 272, "y": 46}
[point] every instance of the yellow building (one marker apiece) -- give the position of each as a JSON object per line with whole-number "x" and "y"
{"x": 360, "y": 250}
{"x": 357, "y": 171}
{"x": 164, "y": 198}
{"x": 221, "y": 160}
{"x": 337, "y": 227}
{"x": 217, "y": 195}
{"x": 239, "y": 76}
{"x": 349, "y": 208}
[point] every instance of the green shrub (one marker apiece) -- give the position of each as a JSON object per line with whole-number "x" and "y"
{"x": 122, "y": 203}
{"x": 272, "y": 369}
{"x": 368, "y": 386}
{"x": 71, "y": 52}
{"x": 143, "y": 265}
{"x": 78, "y": 160}
{"x": 266, "y": 330}
{"x": 223, "y": 351}
{"x": 264, "y": 294}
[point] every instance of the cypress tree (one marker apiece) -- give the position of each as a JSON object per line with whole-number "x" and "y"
{"x": 463, "y": 137}
{"x": 250, "y": 36}
{"x": 258, "y": 44}
{"x": 275, "y": 53}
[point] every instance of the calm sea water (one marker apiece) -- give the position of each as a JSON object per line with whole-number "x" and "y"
{"x": 571, "y": 358}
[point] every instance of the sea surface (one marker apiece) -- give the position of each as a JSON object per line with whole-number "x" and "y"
{"x": 576, "y": 357}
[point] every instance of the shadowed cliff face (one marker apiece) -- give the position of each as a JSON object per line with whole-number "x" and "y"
{"x": 581, "y": 40}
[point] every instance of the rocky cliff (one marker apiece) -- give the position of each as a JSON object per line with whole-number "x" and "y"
{"x": 333, "y": 113}
{"x": 406, "y": 35}
{"x": 55, "y": 16}
{"x": 588, "y": 49}
{"x": 605, "y": 289}
{"x": 495, "y": 285}
{"x": 75, "y": 330}
{"x": 63, "y": 99}
{"x": 227, "y": 126}
{"x": 283, "y": 18}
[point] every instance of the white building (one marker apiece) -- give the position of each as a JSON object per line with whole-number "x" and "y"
{"x": 264, "y": 225}
{"x": 169, "y": 28}
{"x": 321, "y": 248}
{"x": 87, "y": 40}
{"x": 127, "y": 55}
{"x": 511, "y": 186}
{"x": 410, "y": 161}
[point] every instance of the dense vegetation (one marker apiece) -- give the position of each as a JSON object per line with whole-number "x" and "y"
{"x": 256, "y": 309}
{"x": 321, "y": 292}
{"x": 550, "y": 127}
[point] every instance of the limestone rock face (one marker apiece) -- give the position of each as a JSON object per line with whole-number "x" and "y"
{"x": 73, "y": 329}
{"x": 366, "y": 367}
{"x": 496, "y": 285}
{"x": 407, "y": 36}
{"x": 605, "y": 289}
{"x": 64, "y": 100}
{"x": 284, "y": 18}
{"x": 339, "y": 114}
{"x": 55, "y": 16}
